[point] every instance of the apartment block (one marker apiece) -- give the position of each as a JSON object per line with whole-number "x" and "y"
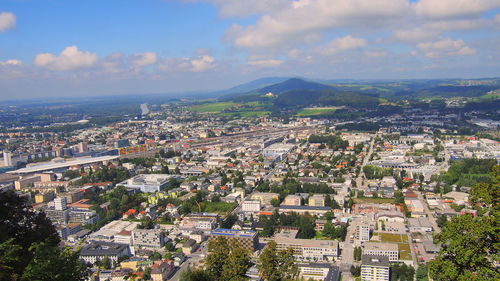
{"x": 310, "y": 249}
{"x": 247, "y": 239}
{"x": 375, "y": 268}
{"x": 148, "y": 238}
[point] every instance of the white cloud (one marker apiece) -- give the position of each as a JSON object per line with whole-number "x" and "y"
{"x": 7, "y": 21}
{"x": 245, "y": 8}
{"x": 417, "y": 34}
{"x": 453, "y": 8}
{"x": 11, "y": 63}
{"x": 202, "y": 63}
{"x": 377, "y": 53}
{"x": 69, "y": 59}
{"x": 343, "y": 44}
{"x": 265, "y": 62}
{"x": 304, "y": 18}
{"x": 445, "y": 47}
{"x": 143, "y": 59}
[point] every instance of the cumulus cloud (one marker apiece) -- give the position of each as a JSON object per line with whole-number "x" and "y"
{"x": 445, "y": 47}
{"x": 303, "y": 20}
{"x": 69, "y": 59}
{"x": 7, "y": 21}
{"x": 11, "y": 63}
{"x": 193, "y": 64}
{"x": 437, "y": 9}
{"x": 143, "y": 59}
{"x": 202, "y": 63}
{"x": 265, "y": 62}
{"x": 245, "y": 8}
{"x": 343, "y": 44}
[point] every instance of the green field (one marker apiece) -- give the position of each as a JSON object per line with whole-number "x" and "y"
{"x": 213, "y": 107}
{"x": 374, "y": 200}
{"x": 221, "y": 208}
{"x": 404, "y": 251}
{"x": 258, "y": 113}
{"x": 316, "y": 111}
{"x": 396, "y": 238}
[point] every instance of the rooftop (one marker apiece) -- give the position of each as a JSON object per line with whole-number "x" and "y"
{"x": 374, "y": 260}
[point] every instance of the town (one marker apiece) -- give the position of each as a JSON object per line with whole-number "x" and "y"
{"x": 153, "y": 198}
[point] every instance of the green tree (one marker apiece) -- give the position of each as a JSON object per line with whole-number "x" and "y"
{"x": 277, "y": 265}
{"x": 51, "y": 263}
{"x": 237, "y": 264}
{"x": 217, "y": 257}
{"x": 106, "y": 262}
{"x": 355, "y": 270}
{"x": 469, "y": 247}
{"x": 194, "y": 275}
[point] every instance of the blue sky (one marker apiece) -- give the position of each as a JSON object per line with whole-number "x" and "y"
{"x": 85, "y": 47}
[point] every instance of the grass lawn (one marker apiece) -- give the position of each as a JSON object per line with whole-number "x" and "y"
{"x": 319, "y": 235}
{"x": 257, "y": 113}
{"x": 374, "y": 200}
{"x": 219, "y": 207}
{"x": 213, "y": 107}
{"x": 316, "y": 111}
{"x": 396, "y": 238}
{"x": 404, "y": 251}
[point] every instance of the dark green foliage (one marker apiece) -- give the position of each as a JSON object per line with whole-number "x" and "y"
{"x": 229, "y": 221}
{"x": 275, "y": 265}
{"x": 355, "y": 270}
{"x": 469, "y": 172}
{"x": 226, "y": 261}
{"x": 306, "y": 223}
{"x": 29, "y": 245}
{"x": 335, "y": 232}
{"x": 402, "y": 272}
{"x": 334, "y": 141}
{"x": 470, "y": 244}
{"x": 374, "y": 172}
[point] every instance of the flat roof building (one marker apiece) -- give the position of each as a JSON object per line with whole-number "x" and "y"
{"x": 389, "y": 250}
{"x": 247, "y": 239}
{"x": 375, "y": 268}
{"x": 310, "y": 249}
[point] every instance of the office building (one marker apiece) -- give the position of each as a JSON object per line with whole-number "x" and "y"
{"x": 148, "y": 238}
{"x": 310, "y": 249}
{"x": 389, "y": 250}
{"x": 60, "y": 203}
{"x": 96, "y": 251}
{"x": 7, "y": 158}
{"x": 316, "y": 200}
{"x": 251, "y": 206}
{"x": 319, "y": 271}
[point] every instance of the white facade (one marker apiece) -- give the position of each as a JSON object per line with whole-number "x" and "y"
{"x": 363, "y": 232}
{"x": 60, "y": 203}
{"x": 251, "y": 206}
{"x": 149, "y": 238}
{"x": 389, "y": 250}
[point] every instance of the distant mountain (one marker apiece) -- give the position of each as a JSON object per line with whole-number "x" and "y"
{"x": 252, "y": 85}
{"x": 294, "y": 84}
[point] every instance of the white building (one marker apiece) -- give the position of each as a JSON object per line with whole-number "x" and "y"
{"x": 97, "y": 251}
{"x": 389, "y": 250}
{"x": 148, "y": 238}
{"x": 251, "y": 206}
{"x": 310, "y": 249}
{"x": 7, "y": 158}
{"x": 60, "y": 203}
{"x": 148, "y": 182}
{"x": 363, "y": 231}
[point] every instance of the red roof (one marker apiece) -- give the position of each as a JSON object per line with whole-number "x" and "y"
{"x": 130, "y": 212}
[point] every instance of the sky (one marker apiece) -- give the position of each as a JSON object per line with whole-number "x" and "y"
{"x": 71, "y": 48}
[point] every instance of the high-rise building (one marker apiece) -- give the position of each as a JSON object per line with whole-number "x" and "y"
{"x": 375, "y": 268}
{"x": 60, "y": 203}
{"x": 363, "y": 231}
{"x": 7, "y": 158}
{"x": 83, "y": 147}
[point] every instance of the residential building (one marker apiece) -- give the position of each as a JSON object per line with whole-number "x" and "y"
{"x": 363, "y": 231}
{"x": 420, "y": 225}
{"x": 292, "y": 200}
{"x": 375, "y": 268}
{"x": 316, "y": 200}
{"x": 304, "y": 209}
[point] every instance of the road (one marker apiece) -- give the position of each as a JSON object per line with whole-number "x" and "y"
{"x": 430, "y": 215}
{"x": 191, "y": 260}
{"x": 359, "y": 179}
